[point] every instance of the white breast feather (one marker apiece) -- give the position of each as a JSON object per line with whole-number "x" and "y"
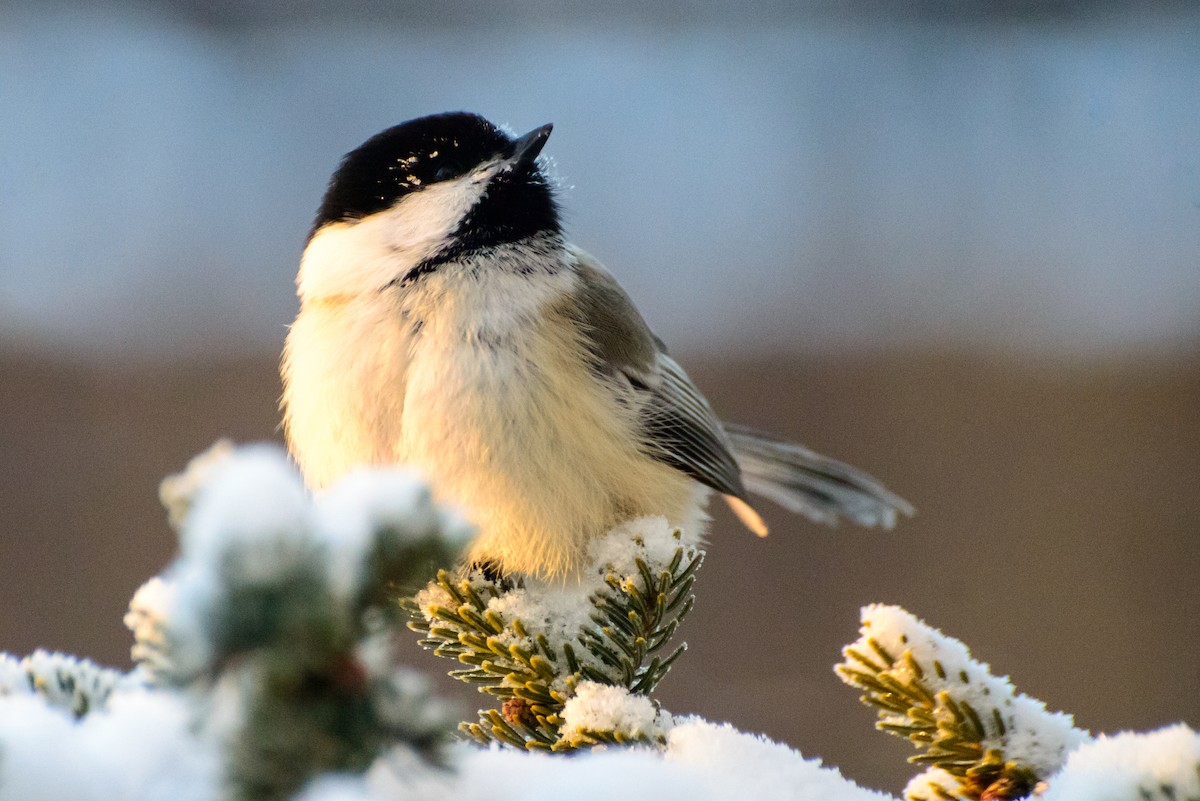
{"x": 493, "y": 398}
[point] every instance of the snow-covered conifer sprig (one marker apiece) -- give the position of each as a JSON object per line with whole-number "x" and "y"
{"x": 983, "y": 739}
{"x": 603, "y": 714}
{"x": 76, "y": 685}
{"x": 461, "y": 627}
{"x": 280, "y": 606}
{"x": 532, "y": 645}
{"x": 639, "y": 615}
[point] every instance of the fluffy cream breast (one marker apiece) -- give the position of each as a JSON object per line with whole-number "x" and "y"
{"x": 344, "y": 368}
{"x": 481, "y": 378}
{"x": 505, "y": 414}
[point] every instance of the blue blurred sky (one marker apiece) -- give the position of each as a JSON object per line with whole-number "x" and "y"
{"x": 860, "y": 181}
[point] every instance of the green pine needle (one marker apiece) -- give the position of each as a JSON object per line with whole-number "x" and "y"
{"x": 634, "y": 618}
{"x": 948, "y": 732}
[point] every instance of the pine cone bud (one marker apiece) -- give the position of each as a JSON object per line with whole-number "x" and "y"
{"x": 518, "y": 712}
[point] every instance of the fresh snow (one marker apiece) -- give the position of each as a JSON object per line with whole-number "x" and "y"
{"x": 1162, "y": 765}
{"x": 932, "y": 784}
{"x": 75, "y": 685}
{"x": 366, "y": 500}
{"x": 603, "y": 707}
{"x": 248, "y": 521}
{"x": 141, "y": 748}
{"x": 701, "y": 761}
{"x": 1033, "y": 735}
{"x": 558, "y": 608}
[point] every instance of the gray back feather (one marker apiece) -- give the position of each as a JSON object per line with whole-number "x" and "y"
{"x": 678, "y": 426}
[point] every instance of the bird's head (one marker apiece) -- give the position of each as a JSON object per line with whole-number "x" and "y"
{"x": 423, "y": 193}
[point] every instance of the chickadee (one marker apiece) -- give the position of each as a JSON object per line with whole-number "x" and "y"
{"x": 445, "y": 322}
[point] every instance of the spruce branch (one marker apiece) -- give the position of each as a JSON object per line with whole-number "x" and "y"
{"x": 500, "y": 660}
{"x": 267, "y": 672}
{"x": 519, "y": 644}
{"x": 280, "y": 607}
{"x": 76, "y": 685}
{"x": 980, "y": 739}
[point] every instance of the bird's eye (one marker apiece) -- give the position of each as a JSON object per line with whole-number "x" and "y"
{"x": 444, "y": 172}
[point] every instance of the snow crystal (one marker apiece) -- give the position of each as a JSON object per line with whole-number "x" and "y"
{"x": 1162, "y": 765}
{"x": 604, "y": 708}
{"x": 368, "y": 499}
{"x": 1036, "y": 737}
{"x": 401, "y": 773}
{"x": 431, "y": 596}
{"x": 149, "y": 606}
{"x": 1033, "y": 736}
{"x": 252, "y": 533}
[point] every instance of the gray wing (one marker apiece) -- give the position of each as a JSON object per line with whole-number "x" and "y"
{"x": 678, "y": 426}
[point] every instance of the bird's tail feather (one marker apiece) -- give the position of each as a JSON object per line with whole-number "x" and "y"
{"x": 805, "y": 482}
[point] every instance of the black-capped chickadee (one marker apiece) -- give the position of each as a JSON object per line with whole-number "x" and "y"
{"x": 445, "y": 322}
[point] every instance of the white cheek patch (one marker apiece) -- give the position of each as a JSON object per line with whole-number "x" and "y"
{"x": 353, "y": 258}
{"x": 421, "y": 221}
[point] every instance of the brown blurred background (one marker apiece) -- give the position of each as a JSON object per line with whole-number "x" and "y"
{"x": 979, "y": 282}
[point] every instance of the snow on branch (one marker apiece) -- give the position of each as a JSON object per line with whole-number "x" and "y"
{"x": 76, "y": 685}
{"x": 979, "y": 736}
{"x": 281, "y": 605}
{"x": 275, "y": 632}
{"x": 267, "y": 671}
{"x": 538, "y": 645}
{"x": 1162, "y": 765}
{"x": 699, "y": 761}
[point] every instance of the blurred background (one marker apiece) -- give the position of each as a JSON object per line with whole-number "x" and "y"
{"x": 955, "y": 243}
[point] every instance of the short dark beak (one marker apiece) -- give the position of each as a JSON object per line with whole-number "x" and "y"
{"x": 526, "y": 149}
